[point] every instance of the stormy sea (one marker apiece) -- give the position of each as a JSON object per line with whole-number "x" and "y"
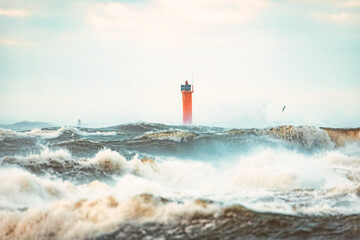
{"x": 156, "y": 181}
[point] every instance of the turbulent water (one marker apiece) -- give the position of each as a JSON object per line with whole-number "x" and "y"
{"x": 154, "y": 181}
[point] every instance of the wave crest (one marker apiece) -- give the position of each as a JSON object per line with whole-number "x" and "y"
{"x": 176, "y": 136}
{"x": 306, "y": 136}
{"x": 342, "y": 136}
{"x": 91, "y": 217}
{"x": 108, "y": 161}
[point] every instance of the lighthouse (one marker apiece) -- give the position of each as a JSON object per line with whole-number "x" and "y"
{"x": 187, "y": 91}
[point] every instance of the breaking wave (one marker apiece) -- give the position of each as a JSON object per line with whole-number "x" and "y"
{"x": 176, "y": 136}
{"x": 33, "y": 133}
{"x": 35, "y": 208}
{"x": 303, "y": 135}
{"x": 152, "y": 180}
{"x": 267, "y": 170}
{"x": 54, "y": 133}
{"x": 168, "y": 192}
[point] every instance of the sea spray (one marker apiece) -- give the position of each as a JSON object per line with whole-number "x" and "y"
{"x": 177, "y": 182}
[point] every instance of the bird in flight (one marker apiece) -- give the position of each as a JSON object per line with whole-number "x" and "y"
{"x": 283, "y": 108}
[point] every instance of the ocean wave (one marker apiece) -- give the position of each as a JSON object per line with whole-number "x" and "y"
{"x": 268, "y": 168}
{"x": 341, "y": 136}
{"x": 145, "y": 215}
{"x": 21, "y": 189}
{"x": 153, "y": 180}
{"x": 176, "y": 136}
{"x": 169, "y": 191}
{"x": 45, "y": 133}
{"x": 236, "y": 221}
{"x": 54, "y": 133}
{"x": 157, "y": 139}
{"x": 87, "y": 218}
{"x": 90, "y": 132}
{"x": 35, "y": 208}
{"x": 60, "y": 162}
{"x": 305, "y": 136}
{"x": 140, "y": 127}
{"x": 262, "y": 173}
{"x": 46, "y": 155}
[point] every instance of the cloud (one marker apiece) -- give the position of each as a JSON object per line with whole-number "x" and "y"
{"x": 335, "y": 3}
{"x": 340, "y": 18}
{"x": 331, "y": 11}
{"x": 14, "y": 13}
{"x": 170, "y": 18}
{"x": 12, "y": 42}
{"x": 349, "y": 3}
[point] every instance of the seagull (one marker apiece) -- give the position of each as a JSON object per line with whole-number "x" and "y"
{"x": 283, "y": 108}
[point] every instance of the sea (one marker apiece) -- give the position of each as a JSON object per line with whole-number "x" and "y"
{"x": 156, "y": 181}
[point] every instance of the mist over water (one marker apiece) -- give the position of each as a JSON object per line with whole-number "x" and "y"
{"x": 143, "y": 181}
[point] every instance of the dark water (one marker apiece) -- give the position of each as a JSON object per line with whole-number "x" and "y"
{"x": 155, "y": 181}
{"x": 239, "y": 223}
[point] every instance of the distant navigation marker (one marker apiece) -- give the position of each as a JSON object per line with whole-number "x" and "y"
{"x": 79, "y": 123}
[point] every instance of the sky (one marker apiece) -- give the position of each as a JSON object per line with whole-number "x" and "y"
{"x": 115, "y": 62}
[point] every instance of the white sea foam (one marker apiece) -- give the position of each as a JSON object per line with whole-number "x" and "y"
{"x": 262, "y": 174}
{"x": 280, "y": 181}
{"x": 4, "y": 132}
{"x": 88, "y": 218}
{"x": 109, "y": 161}
{"x": 97, "y": 133}
{"x": 33, "y": 133}
{"x": 45, "y": 133}
{"x": 89, "y": 209}
{"x": 267, "y": 169}
{"x": 19, "y": 189}
{"x": 307, "y": 136}
{"x": 176, "y": 136}
{"x": 45, "y": 156}
{"x": 103, "y": 133}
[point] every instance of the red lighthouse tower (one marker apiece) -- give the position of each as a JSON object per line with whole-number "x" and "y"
{"x": 187, "y": 91}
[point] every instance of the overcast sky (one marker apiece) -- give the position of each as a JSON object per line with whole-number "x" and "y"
{"x": 114, "y": 62}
